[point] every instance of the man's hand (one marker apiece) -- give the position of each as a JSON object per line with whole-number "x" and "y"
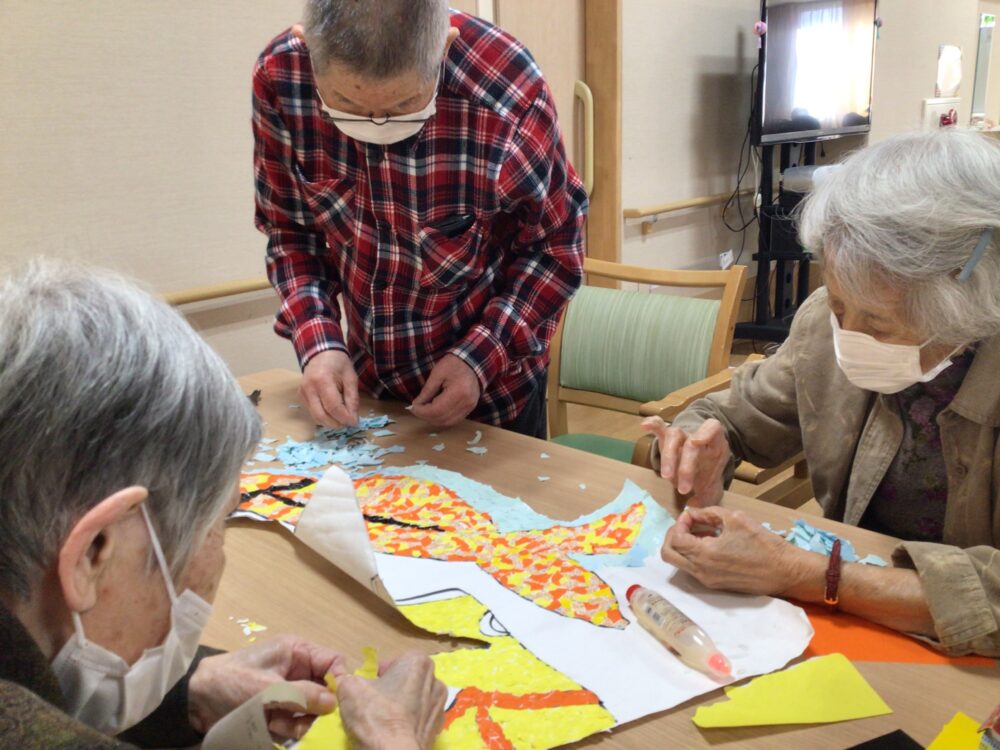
{"x": 223, "y": 682}
{"x": 402, "y": 710}
{"x": 726, "y": 550}
{"x": 692, "y": 463}
{"x": 450, "y": 393}
{"x": 329, "y": 388}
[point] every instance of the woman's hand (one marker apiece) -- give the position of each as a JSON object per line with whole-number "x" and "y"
{"x": 692, "y": 463}
{"x": 402, "y": 710}
{"x": 725, "y": 549}
{"x": 223, "y": 682}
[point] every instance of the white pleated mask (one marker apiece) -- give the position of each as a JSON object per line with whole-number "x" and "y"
{"x": 103, "y": 691}
{"x": 877, "y": 366}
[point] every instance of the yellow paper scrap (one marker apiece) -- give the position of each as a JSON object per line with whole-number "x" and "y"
{"x": 961, "y": 733}
{"x": 821, "y": 690}
{"x": 327, "y": 732}
{"x": 369, "y": 669}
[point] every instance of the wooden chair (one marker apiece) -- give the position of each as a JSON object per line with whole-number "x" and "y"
{"x": 777, "y": 484}
{"x": 619, "y": 350}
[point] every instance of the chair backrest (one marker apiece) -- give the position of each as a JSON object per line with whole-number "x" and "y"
{"x": 618, "y": 349}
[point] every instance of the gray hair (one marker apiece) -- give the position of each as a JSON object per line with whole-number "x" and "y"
{"x": 103, "y": 387}
{"x": 908, "y": 213}
{"x": 377, "y": 38}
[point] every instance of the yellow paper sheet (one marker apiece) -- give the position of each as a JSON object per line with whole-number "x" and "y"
{"x": 821, "y": 690}
{"x": 961, "y": 733}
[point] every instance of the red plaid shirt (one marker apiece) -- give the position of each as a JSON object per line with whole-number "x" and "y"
{"x": 346, "y": 216}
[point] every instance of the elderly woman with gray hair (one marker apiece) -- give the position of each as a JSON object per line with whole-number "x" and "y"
{"x": 122, "y": 436}
{"x": 890, "y": 384}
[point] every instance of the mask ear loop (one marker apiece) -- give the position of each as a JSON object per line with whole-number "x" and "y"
{"x": 977, "y": 255}
{"x": 160, "y": 558}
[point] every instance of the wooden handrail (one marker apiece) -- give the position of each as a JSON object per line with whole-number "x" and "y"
{"x": 215, "y": 291}
{"x": 651, "y": 212}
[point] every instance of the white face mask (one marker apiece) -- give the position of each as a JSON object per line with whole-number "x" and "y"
{"x": 382, "y": 131}
{"x": 876, "y": 366}
{"x": 103, "y": 691}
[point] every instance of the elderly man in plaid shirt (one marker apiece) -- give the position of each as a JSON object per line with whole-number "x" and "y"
{"x": 409, "y": 158}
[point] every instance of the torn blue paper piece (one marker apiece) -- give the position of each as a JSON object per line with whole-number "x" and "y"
{"x": 383, "y": 433}
{"x": 421, "y": 462}
{"x": 439, "y": 447}
{"x": 268, "y": 441}
{"x": 544, "y": 479}
{"x": 477, "y": 449}
{"x": 806, "y": 536}
{"x": 873, "y": 560}
{"x": 263, "y": 457}
{"x": 346, "y": 447}
{"x": 476, "y": 439}
{"x": 544, "y": 455}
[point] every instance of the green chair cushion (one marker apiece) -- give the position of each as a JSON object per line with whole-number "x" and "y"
{"x": 635, "y": 345}
{"x": 601, "y": 445}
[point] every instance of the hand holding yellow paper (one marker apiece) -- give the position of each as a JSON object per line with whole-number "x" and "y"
{"x": 821, "y": 690}
{"x": 327, "y": 732}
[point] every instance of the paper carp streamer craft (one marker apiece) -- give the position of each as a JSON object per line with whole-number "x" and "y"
{"x": 274, "y": 497}
{"x": 412, "y": 517}
{"x": 420, "y": 518}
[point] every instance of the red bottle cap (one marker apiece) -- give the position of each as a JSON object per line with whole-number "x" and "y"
{"x": 631, "y": 590}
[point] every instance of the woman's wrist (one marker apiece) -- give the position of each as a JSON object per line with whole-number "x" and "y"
{"x": 806, "y": 578}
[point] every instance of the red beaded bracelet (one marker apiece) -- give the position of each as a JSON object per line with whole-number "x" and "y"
{"x": 831, "y": 596}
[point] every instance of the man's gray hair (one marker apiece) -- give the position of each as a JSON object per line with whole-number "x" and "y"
{"x": 104, "y": 387}
{"x": 908, "y": 213}
{"x": 377, "y": 38}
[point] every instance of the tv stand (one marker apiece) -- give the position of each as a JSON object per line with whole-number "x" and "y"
{"x": 777, "y": 243}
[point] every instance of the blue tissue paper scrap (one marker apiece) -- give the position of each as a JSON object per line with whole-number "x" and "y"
{"x": 346, "y": 447}
{"x": 806, "y": 536}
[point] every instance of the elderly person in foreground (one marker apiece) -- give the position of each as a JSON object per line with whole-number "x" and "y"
{"x": 890, "y": 384}
{"x": 122, "y": 436}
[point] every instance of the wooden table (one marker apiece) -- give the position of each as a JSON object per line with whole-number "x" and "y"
{"x": 282, "y": 584}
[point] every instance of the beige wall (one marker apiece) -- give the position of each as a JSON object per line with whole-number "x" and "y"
{"x": 126, "y": 142}
{"x": 907, "y": 54}
{"x": 993, "y": 82}
{"x": 686, "y": 101}
{"x": 686, "y": 69}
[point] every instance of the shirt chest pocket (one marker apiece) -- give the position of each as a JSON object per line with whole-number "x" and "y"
{"x": 332, "y": 206}
{"x": 450, "y": 254}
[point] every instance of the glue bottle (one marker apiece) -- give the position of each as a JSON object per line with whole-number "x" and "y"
{"x": 676, "y": 630}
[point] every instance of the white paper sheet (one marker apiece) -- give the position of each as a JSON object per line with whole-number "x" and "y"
{"x": 633, "y": 674}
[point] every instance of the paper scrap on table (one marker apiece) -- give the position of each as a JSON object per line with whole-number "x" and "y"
{"x": 806, "y": 536}
{"x": 439, "y": 447}
{"x": 246, "y": 726}
{"x": 582, "y": 486}
{"x": 544, "y": 478}
{"x": 961, "y": 733}
{"x": 250, "y": 628}
{"x": 327, "y": 732}
{"x": 477, "y": 449}
{"x": 544, "y": 455}
{"x": 476, "y": 439}
{"x": 822, "y": 690}
{"x": 263, "y": 457}
{"x": 383, "y": 433}
{"x": 343, "y": 446}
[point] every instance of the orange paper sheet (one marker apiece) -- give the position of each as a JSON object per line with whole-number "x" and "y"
{"x": 860, "y": 640}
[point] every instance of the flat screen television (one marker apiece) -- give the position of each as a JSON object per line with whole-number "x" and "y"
{"x": 815, "y": 75}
